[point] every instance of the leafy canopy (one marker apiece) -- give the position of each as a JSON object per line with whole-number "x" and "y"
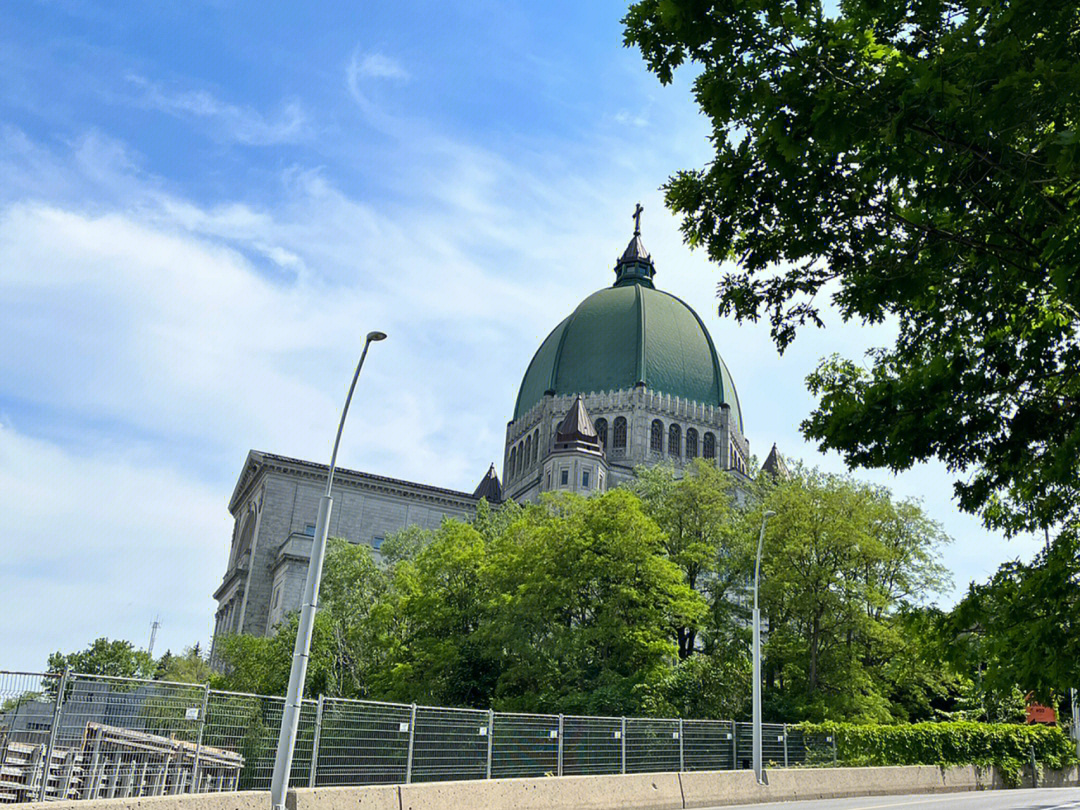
{"x": 843, "y": 567}
{"x": 916, "y": 161}
{"x": 103, "y": 657}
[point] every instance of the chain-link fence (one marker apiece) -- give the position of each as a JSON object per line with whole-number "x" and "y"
{"x": 77, "y": 736}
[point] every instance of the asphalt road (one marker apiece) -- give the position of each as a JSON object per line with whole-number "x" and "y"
{"x": 1018, "y": 799}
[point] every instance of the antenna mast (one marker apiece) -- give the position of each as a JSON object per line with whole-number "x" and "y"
{"x": 153, "y": 635}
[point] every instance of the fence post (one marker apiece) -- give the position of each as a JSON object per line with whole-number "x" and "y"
{"x": 832, "y": 739}
{"x": 682, "y": 749}
{"x": 1075, "y": 719}
{"x": 559, "y": 732}
{"x": 491, "y": 740}
{"x": 198, "y": 740}
{"x": 315, "y": 744}
{"x": 57, "y": 705}
{"x": 734, "y": 746}
{"x": 622, "y": 739}
{"x": 785, "y": 746}
{"x": 412, "y": 737}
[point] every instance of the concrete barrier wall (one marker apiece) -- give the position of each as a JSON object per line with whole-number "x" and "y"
{"x": 654, "y": 791}
{"x": 711, "y": 788}
{"x": 1067, "y": 777}
{"x": 371, "y": 797}
{"x": 240, "y": 800}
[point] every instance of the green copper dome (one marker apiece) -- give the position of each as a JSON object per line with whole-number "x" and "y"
{"x": 626, "y": 335}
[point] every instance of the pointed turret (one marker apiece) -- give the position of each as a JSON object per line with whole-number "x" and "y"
{"x": 489, "y": 487}
{"x": 577, "y": 425}
{"x": 577, "y": 461}
{"x": 775, "y": 465}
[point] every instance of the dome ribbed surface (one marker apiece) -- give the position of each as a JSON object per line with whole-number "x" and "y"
{"x": 623, "y": 335}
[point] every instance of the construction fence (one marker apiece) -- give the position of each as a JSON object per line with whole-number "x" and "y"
{"x": 75, "y": 736}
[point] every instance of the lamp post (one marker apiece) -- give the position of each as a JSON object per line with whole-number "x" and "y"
{"x": 290, "y": 717}
{"x": 757, "y": 654}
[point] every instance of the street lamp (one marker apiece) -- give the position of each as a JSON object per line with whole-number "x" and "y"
{"x": 290, "y": 717}
{"x": 757, "y": 654}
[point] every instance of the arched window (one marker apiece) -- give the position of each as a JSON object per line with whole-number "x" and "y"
{"x": 536, "y": 444}
{"x": 691, "y": 443}
{"x": 528, "y": 453}
{"x": 656, "y": 437}
{"x": 674, "y": 441}
{"x": 708, "y": 449}
{"x": 511, "y": 467}
{"x": 601, "y": 432}
{"x": 618, "y": 438}
{"x": 521, "y": 457}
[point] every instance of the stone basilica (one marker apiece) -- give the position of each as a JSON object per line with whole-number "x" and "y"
{"x": 630, "y": 377}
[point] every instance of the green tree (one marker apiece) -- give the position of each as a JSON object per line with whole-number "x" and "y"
{"x": 429, "y": 619}
{"x": 915, "y": 161}
{"x": 103, "y": 657}
{"x": 583, "y": 604}
{"x": 405, "y": 544}
{"x": 842, "y": 559}
{"x": 696, "y": 513}
{"x": 344, "y": 641}
{"x": 714, "y": 686}
{"x": 190, "y": 667}
{"x": 1023, "y": 626}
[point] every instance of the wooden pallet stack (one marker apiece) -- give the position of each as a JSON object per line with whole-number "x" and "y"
{"x": 120, "y": 762}
{"x": 22, "y": 767}
{"x": 115, "y": 762}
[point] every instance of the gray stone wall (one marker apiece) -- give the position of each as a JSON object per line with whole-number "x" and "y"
{"x": 275, "y": 507}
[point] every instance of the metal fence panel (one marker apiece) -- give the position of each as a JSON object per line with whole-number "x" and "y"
{"x": 708, "y": 745}
{"x": 772, "y": 744}
{"x": 27, "y": 713}
{"x": 449, "y": 744}
{"x": 81, "y": 736}
{"x": 249, "y": 725}
{"x": 525, "y": 745}
{"x": 362, "y": 743}
{"x": 592, "y": 745}
{"x": 651, "y": 745}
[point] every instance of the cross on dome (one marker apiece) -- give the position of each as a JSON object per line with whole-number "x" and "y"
{"x": 636, "y": 265}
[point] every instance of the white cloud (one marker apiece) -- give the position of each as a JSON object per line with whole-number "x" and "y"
{"x": 98, "y": 546}
{"x": 376, "y": 66}
{"x": 626, "y": 118}
{"x": 231, "y": 122}
{"x": 164, "y": 335}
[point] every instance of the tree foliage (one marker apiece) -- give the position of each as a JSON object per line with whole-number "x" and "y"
{"x": 583, "y": 608}
{"x": 190, "y": 666}
{"x": 697, "y": 514}
{"x": 1023, "y": 626}
{"x": 344, "y": 646}
{"x": 637, "y": 601}
{"x": 843, "y": 561}
{"x": 103, "y": 657}
{"x": 918, "y": 160}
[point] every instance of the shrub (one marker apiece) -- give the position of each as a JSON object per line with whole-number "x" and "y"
{"x": 1004, "y": 745}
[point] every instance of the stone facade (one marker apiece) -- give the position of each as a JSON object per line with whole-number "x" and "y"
{"x": 532, "y": 437}
{"x": 274, "y": 507}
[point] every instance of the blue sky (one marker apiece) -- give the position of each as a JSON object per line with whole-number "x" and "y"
{"x": 205, "y": 205}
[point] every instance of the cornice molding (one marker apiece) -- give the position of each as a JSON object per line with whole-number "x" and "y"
{"x": 258, "y": 464}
